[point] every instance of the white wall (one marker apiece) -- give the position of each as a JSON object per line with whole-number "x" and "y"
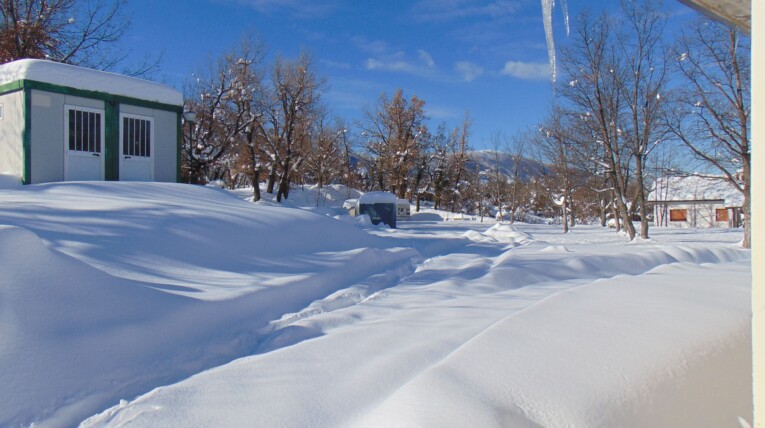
{"x": 758, "y": 208}
{"x": 12, "y": 133}
{"x": 699, "y": 214}
{"x": 166, "y": 149}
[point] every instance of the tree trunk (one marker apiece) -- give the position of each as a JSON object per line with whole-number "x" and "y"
{"x": 284, "y": 184}
{"x": 569, "y": 202}
{"x": 564, "y": 206}
{"x": 641, "y": 199}
{"x": 255, "y": 184}
{"x": 615, "y": 211}
{"x": 271, "y": 179}
{"x": 514, "y": 198}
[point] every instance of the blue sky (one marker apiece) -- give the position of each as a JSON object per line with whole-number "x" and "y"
{"x": 488, "y": 58}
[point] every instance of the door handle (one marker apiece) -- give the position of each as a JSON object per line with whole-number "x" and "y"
{"x": 96, "y": 154}
{"x": 128, "y": 157}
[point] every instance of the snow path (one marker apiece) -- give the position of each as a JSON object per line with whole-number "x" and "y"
{"x": 361, "y": 362}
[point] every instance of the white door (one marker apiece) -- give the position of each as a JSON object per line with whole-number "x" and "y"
{"x": 83, "y": 144}
{"x": 136, "y": 151}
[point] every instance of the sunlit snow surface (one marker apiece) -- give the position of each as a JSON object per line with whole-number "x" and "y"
{"x": 174, "y": 305}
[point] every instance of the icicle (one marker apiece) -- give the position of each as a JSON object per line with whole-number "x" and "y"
{"x": 547, "y": 7}
{"x": 565, "y": 14}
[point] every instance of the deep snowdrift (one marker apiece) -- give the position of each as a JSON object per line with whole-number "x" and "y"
{"x": 151, "y": 283}
{"x": 110, "y": 290}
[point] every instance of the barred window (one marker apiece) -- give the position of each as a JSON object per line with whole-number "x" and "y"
{"x": 136, "y": 137}
{"x": 84, "y": 130}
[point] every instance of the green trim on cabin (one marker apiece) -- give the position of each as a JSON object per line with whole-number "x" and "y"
{"x": 27, "y": 135}
{"x": 11, "y": 87}
{"x": 111, "y": 116}
{"x": 112, "y": 143}
{"x": 179, "y": 148}
{"x": 68, "y": 90}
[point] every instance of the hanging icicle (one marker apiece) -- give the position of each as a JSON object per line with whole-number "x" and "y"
{"x": 547, "y": 8}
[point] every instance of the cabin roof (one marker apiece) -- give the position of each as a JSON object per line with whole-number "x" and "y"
{"x": 696, "y": 188}
{"x": 72, "y": 76}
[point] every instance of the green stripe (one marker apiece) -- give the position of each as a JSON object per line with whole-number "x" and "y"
{"x": 179, "y": 147}
{"x": 11, "y": 87}
{"x": 67, "y": 90}
{"x": 112, "y": 143}
{"x": 27, "y": 135}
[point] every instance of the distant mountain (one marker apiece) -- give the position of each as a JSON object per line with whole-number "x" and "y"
{"x": 487, "y": 161}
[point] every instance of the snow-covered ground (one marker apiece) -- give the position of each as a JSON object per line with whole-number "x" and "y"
{"x": 173, "y": 305}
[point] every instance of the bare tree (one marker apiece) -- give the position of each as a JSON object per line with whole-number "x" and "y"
{"x": 426, "y": 158}
{"x": 459, "y": 158}
{"x": 325, "y": 158}
{"x": 79, "y": 32}
{"x": 498, "y": 182}
{"x": 516, "y": 147}
{"x": 394, "y": 132}
{"x": 554, "y": 147}
{"x": 712, "y": 117}
{"x": 592, "y": 64}
{"x": 440, "y": 167}
{"x": 642, "y": 84}
{"x": 224, "y": 97}
{"x": 287, "y": 112}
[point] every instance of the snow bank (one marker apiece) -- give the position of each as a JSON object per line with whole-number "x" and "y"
{"x": 109, "y": 289}
{"x": 502, "y": 233}
{"x": 617, "y": 336}
{"x": 213, "y": 311}
{"x": 308, "y": 197}
{"x": 625, "y": 352}
{"x": 70, "y": 334}
{"x": 9, "y": 181}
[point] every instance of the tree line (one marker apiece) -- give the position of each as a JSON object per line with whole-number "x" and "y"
{"x": 256, "y": 122}
{"x": 633, "y": 103}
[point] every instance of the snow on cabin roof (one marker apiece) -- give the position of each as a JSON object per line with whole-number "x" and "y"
{"x": 88, "y": 79}
{"x": 377, "y": 198}
{"x": 695, "y": 188}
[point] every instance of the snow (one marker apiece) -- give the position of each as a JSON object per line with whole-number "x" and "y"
{"x": 88, "y": 79}
{"x": 377, "y": 198}
{"x": 696, "y": 188}
{"x": 8, "y": 180}
{"x": 155, "y": 304}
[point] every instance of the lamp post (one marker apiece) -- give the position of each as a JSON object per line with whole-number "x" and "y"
{"x": 191, "y": 118}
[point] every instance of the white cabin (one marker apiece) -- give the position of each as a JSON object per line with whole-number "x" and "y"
{"x": 59, "y": 122}
{"x": 694, "y": 201}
